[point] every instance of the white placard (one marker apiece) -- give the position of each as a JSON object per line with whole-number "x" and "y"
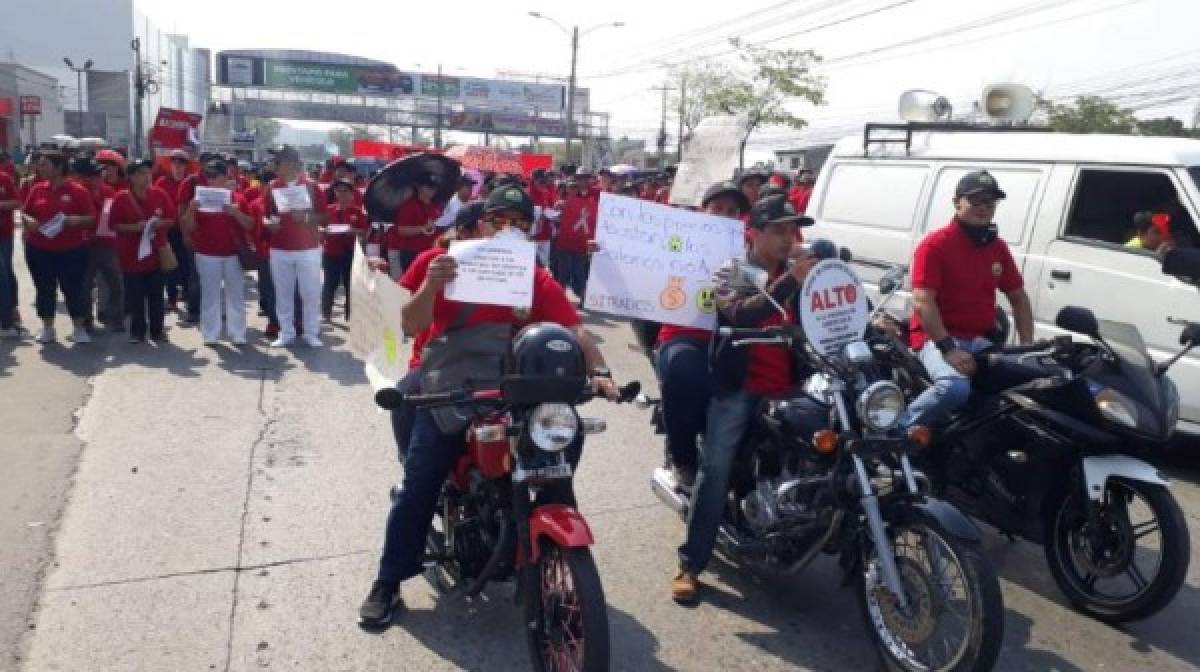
{"x": 337, "y": 229}
{"x": 103, "y": 228}
{"x": 213, "y": 199}
{"x": 833, "y": 307}
{"x": 53, "y": 226}
{"x": 146, "y": 244}
{"x": 711, "y": 155}
{"x": 494, "y": 271}
{"x": 376, "y": 335}
{"x": 656, "y": 262}
{"x": 290, "y": 199}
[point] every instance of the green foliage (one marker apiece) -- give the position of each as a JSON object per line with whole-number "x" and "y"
{"x": 1092, "y": 114}
{"x": 1165, "y": 126}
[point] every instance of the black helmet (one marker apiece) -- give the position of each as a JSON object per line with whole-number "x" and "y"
{"x": 546, "y": 365}
{"x": 510, "y": 198}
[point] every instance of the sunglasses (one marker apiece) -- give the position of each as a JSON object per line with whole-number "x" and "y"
{"x": 981, "y": 199}
{"x": 499, "y": 222}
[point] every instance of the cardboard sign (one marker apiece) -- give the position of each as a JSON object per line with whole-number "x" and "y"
{"x": 656, "y": 262}
{"x": 376, "y": 336}
{"x": 711, "y": 155}
{"x": 495, "y": 271}
{"x": 833, "y": 307}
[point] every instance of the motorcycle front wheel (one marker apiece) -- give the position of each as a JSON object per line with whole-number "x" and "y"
{"x": 954, "y": 620}
{"x": 1133, "y": 565}
{"x": 566, "y": 616}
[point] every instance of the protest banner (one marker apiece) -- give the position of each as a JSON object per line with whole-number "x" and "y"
{"x": 656, "y": 262}
{"x": 212, "y": 199}
{"x": 376, "y": 336}
{"x": 711, "y": 155}
{"x": 833, "y": 307}
{"x": 495, "y": 271}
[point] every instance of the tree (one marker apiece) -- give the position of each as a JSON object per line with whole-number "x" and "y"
{"x": 1166, "y": 126}
{"x": 1092, "y": 114}
{"x": 266, "y": 129}
{"x": 769, "y": 80}
{"x": 693, "y": 86}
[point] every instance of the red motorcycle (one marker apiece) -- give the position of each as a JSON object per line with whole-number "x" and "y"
{"x": 507, "y": 511}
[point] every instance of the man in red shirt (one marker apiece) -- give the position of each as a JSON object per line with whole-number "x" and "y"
{"x": 576, "y": 229}
{"x": 955, "y": 274}
{"x": 413, "y": 228}
{"x": 9, "y": 202}
{"x": 347, "y": 226}
{"x": 743, "y": 377}
{"x": 134, "y": 210}
{"x": 802, "y": 192}
{"x": 109, "y": 302}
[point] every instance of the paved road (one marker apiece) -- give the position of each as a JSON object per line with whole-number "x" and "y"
{"x": 227, "y": 507}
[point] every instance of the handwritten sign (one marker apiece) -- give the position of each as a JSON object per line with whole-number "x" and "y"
{"x": 289, "y": 199}
{"x": 212, "y": 199}
{"x": 833, "y": 307}
{"x": 711, "y": 155}
{"x": 656, "y": 262}
{"x": 376, "y": 336}
{"x": 496, "y": 271}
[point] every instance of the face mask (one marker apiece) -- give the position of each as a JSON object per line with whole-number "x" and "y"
{"x": 980, "y": 235}
{"x": 512, "y": 233}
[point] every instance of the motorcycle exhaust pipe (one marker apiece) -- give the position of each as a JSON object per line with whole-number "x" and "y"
{"x": 664, "y": 486}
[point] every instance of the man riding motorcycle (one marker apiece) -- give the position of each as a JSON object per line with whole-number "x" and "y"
{"x": 432, "y": 453}
{"x": 743, "y": 377}
{"x": 956, "y": 272}
{"x": 682, "y": 361}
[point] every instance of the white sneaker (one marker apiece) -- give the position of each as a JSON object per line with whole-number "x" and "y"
{"x": 47, "y": 335}
{"x": 283, "y": 342}
{"x": 313, "y": 342}
{"x": 80, "y": 335}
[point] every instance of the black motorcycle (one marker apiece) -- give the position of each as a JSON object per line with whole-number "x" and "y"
{"x": 1046, "y": 450}
{"x": 931, "y": 600}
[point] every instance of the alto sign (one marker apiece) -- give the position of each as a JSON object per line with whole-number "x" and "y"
{"x": 833, "y": 307}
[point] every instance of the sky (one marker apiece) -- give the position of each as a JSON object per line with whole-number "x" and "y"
{"x": 872, "y": 50}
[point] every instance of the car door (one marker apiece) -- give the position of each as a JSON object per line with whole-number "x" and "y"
{"x": 1084, "y": 262}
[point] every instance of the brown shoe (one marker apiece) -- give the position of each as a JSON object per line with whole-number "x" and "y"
{"x": 684, "y": 587}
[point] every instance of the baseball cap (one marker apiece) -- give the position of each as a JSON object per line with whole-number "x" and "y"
{"x": 85, "y": 166}
{"x": 752, "y": 175}
{"x": 726, "y": 188}
{"x": 773, "y": 209}
{"x": 510, "y": 198}
{"x": 214, "y": 167}
{"x": 978, "y": 182}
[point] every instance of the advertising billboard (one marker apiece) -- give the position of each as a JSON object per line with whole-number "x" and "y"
{"x": 332, "y": 78}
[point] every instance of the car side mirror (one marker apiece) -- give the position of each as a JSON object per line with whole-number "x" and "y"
{"x": 1078, "y": 320}
{"x": 1183, "y": 263}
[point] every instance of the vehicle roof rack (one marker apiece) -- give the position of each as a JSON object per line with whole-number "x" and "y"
{"x": 910, "y": 127}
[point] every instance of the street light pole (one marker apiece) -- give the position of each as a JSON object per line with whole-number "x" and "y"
{"x": 437, "y": 124}
{"x": 140, "y": 91}
{"x": 570, "y": 130}
{"x": 87, "y": 65}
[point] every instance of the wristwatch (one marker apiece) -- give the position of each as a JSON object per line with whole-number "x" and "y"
{"x": 601, "y": 372}
{"x": 945, "y": 345}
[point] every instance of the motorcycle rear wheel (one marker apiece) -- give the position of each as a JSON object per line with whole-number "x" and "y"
{"x": 1079, "y": 570}
{"x": 938, "y": 572}
{"x": 566, "y": 616}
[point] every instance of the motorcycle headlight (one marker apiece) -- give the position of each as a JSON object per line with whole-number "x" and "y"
{"x": 553, "y": 426}
{"x": 1117, "y": 407}
{"x": 880, "y": 406}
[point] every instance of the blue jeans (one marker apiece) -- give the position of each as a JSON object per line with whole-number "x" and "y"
{"x": 728, "y": 418}
{"x": 571, "y": 270}
{"x": 683, "y": 374}
{"x": 8, "y": 284}
{"x": 950, "y": 389}
{"x": 403, "y": 417}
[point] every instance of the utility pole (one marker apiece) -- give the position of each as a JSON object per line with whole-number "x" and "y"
{"x": 682, "y": 114}
{"x": 662, "y": 129}
{"x": 79, "y": 85}
{"x": 571, "y": 92}
{"x": 437, "y": 124}
{"x": 139, "y": 89}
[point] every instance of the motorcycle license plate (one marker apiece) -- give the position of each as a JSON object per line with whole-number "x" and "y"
{"x": 550, "y": 473}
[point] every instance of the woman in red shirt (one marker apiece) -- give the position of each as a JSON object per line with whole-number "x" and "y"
{"x": 215, "y": 238}
{"x": 413, "y": 229}
{"x": 134, "y": 210}
{"x": 347, "y": 226}
{"x": 59, "y": 217}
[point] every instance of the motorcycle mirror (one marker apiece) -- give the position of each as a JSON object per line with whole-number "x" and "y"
{"x": 1078, "y": 320}
{"x": 1190, "y": 337}
{"x": 890, "y": 281}
{"x": 745, "y": 276}
{"x": 1183, "y": 263}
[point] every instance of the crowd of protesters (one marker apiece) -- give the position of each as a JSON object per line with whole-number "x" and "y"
{"x": 126, "y": 242}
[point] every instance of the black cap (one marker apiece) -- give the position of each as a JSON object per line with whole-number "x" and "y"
{"x": 286, "y": 154}
{"x": 776, "y": 209}
{"x": 85, "y": 166}
{"x": 469, "y": 215}
{"x": 978, "y": 182}
{"x": 139, "y": 164}
{"x": 214, "y": 167}
{"x": 726, "y": 188}
{"x": 751, "y": 175}
{"x": 510, "y": 198}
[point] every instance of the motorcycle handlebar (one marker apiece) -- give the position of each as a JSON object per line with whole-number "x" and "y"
{"x": 390, "y": 399}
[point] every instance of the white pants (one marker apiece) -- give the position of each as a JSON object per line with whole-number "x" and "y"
{"x": 292, "y": 269}
{"x": 214, "y": 273}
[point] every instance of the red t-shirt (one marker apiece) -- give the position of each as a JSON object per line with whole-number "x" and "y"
{"x": 341, "y": 244}
{"x": 550, "y": 302}
{"x": 799, "y": 197}
{"x": 44, "y": 202}
{"x": 100, "y": 193}
{"x": 672, "y": 331}
{"x": 128, "y": 209}
{"x": 170, "y": 185}
{"x": 965, "y": 277}
{"x": 544, "y": 197}
{"x": 577, "y": 225}
{"x": 412, "y": 212}
{"x": 293, "y": 234}
{"x": 216, "y": 233}
{"x": 187, "y": 188}
{"x": 8, "y": 192}
{"x": 770, "y": 368}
